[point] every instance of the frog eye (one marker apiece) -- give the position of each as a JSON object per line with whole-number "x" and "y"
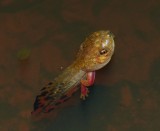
{"x": 103, "y": 51}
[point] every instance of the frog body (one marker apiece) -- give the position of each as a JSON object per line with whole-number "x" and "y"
{"x": 94, "y": 53}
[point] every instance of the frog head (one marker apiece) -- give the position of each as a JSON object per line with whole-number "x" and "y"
{"x": 96, "y": 51}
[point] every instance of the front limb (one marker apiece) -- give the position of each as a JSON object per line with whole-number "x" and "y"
{"x": 88, "y": 80}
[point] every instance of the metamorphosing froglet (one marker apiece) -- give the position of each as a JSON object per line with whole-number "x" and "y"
{"x": 95, "y": 52}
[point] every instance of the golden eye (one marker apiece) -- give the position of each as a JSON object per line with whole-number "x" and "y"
{"x": 103, "y": 51}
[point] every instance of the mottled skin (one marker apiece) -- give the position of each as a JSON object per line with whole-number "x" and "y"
{"x": 95, "y": 52}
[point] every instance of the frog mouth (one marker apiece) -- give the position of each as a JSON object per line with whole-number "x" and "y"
{"x": 102, "y": 64}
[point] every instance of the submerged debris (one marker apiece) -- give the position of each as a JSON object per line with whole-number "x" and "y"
{"x": 23, "y": 54}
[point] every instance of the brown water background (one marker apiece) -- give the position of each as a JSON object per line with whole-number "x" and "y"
{"x": 38, "y": 37}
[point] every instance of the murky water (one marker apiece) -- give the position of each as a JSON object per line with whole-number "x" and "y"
{"x": 39, "y": 37}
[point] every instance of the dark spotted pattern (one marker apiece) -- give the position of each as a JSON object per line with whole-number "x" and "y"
{"x": 50, "y": 97}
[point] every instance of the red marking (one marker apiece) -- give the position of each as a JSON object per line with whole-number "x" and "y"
{"x": 88, "y": 82}
{"x": 91, "y": 77}
{"x": 42, "y": 106}
{"x": 84, "y": 90}
{"x": 49, "y": 108}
